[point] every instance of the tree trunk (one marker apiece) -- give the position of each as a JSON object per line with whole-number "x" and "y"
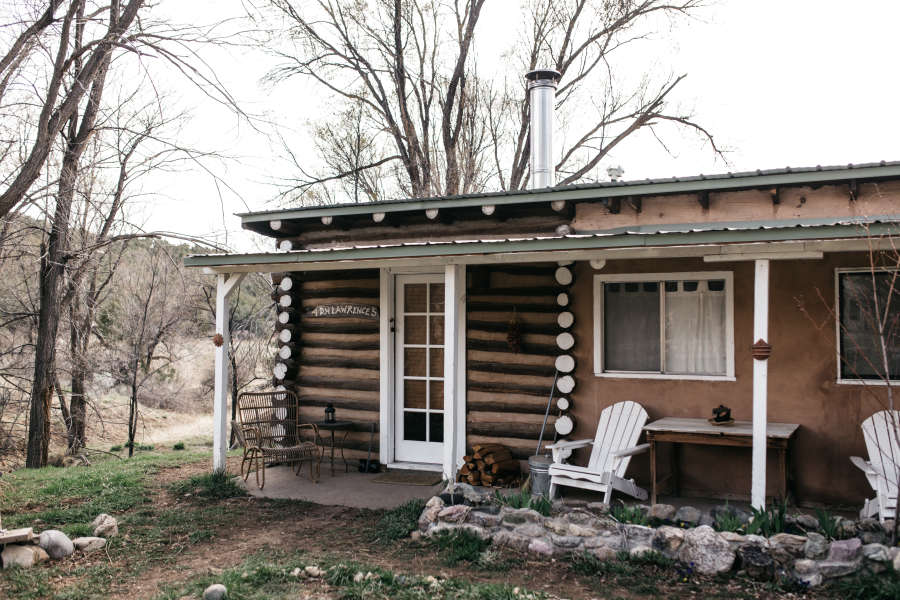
{"x": 132, "y": 413}
{"x": 77, "y": 411}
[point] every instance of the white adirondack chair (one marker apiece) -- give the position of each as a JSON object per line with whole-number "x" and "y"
{"x": 883, "y": 467}
{"x": 615, "y": 443}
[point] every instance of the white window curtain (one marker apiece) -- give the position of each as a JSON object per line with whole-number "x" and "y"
{"x": 695, "y": 329}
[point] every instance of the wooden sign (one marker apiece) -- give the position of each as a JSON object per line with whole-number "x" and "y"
{"x": 359, "y": 311}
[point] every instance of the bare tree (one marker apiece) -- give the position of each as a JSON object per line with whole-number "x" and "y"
{"x": 409, "y": 67}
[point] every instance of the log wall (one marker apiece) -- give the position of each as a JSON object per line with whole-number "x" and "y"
{"x": 330, "y": 359}
{"x": 510, "y": 376}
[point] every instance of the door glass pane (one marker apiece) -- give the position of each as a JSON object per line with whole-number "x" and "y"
{"x": 414, "y": 426}
{"x": 414, "y": 297}
{"x": 413, "y": 393}
{"x": 436, "y": 333}
{"x": 414, "y": 362}
{"x": 436, "y": 362}
{"x": 436, "y": 421}
{"x": 436, "y": 297}
{"x": 437, "y": 394}
{"x": 414, "y": 330}
{"x": 630, "y": 328}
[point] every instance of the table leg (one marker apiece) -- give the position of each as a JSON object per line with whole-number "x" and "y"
{"x": 343, "y": 457}
{"x": 332, "y": 452}
{"x": 652, "y": 472}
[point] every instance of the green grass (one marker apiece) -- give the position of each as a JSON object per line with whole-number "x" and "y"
{"x": 769, "y": 521}
{"x": 399, "y": 523}
{"x": 178, "y": 446}
{"x": 213, "y": 486}
{"x": 268, "y": 575}
{"x": 459, "y": 545}
{"x": 728, "y": 521}
{"x": 868, "y": 586}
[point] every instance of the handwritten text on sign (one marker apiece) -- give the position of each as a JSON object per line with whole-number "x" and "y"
{"x": 360, "y": 311}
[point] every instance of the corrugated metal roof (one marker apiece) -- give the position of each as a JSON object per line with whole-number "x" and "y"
{"x": 760, "y": 178}
{"x": 637, "y": 236}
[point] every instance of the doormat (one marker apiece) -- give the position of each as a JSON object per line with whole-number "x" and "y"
{"x": 403, "y": 477}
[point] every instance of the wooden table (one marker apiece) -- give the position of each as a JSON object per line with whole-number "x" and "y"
{"x": 333, "y": 426}
{"x": 699, "y": 431}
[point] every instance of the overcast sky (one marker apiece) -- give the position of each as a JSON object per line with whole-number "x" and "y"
{"x": 778, "y": 82}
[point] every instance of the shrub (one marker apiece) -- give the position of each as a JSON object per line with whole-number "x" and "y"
{"x": 399, "y": 522}
{"x": 628, "y": 514}
{"x": 459, "y": 545}
{"x": 728, "y": 521}
{"x": 768, "y": 522}
{"x": 828, "y": 523}
{"x": 116, "y": 448}
{"x": 215, "y": 486}
{"x": 524, "y": 499}
{"x": 178, "y": 446}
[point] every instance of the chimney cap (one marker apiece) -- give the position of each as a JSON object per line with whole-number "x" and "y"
{"x": 543, "y": 74}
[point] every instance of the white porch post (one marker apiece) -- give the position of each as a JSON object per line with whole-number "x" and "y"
{"x": 386, "y": 367}
{"x": 225, "y": 284}
{"x": 760, "y": 381}
{"x": 454, "y": 368}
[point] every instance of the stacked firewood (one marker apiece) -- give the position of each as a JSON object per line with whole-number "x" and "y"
{"x": 490, "y": 465}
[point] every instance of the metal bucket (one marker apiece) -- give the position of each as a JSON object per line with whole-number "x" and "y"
{"x": 539, "y": 467}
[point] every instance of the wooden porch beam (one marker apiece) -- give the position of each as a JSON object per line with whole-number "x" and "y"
{"x": 760, "y": 383}
{"x": 225, "y": 285}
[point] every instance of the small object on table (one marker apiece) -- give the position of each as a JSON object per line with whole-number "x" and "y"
{"x": 333, "y": 426}
{"x": 329, "y": 413}
{"x": 722, "y": 416}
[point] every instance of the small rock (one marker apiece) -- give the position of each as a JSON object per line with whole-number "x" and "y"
{"x": 836, "y": 568}
{"x": 807, "y": 522}
{"x": 756, "y": 562}
{"x": 709, "y": 553}
{"x": 728, "y": 510}
{"x": 558, "y": 526}
{"x": 581, "y": 517}
{"x": 668, "y": 539}
{"x": 869, "y": 524}
{"x": 483, "y": 519}
{"x": 847, "y": 528}
{"x": 216, "y": 591}
{"x": 429, "y": 516}
{"x": 638, "y": 535}
{"x": 639, "y": 551}
{"x": 530, "y": 530}
{"x": 844, "y": 550}
{"x": 807, "y": 571}
{"x": 296, "y": 572}
{"x": 454, "y": 514}
{"x": 105, "y": 526}
{"x": 582, "y": 531}
{"x": 40, "y": 555}
{"x": 415, "y": 535}
{"x": 56, "y": 543}
{"x": 468, "y": 493}
{"x": 15, "y": 555}
{"x": 785, "y": 547}
{"x": 359, "y": 577}
{"x": 313, "y": 571}
{"x": 567, "y": 542}
{"x": 757, "y": 540}
{"x": 895, "y": 559}
{"x": 735, "y": 540}
{"x": 816, "y": 545}
{"x": 688, "y": 514}
{"x": 662, "y": 512}
{"x": 89, "y": 544}
{"x": 517, "y": 516}
{"x": 600, "y": 508}
{"x": 541, "y": 546}
{"x": 512, "y": 540}
{"x": 872, "y": 537}
{"x": 603, "y": 553}
{"x": 876, "y": 553}
{"x": 614, "y": 541}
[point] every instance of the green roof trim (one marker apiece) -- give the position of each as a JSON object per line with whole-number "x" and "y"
{"x": 585, "y": 242}
{"x": 596, "y": 191}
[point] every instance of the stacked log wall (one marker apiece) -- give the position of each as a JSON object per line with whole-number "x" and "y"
{"x": 332, "y": 359}
{"x": 508, "y": 383}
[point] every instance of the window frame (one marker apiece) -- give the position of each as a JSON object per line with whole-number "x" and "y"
{"x": 601, "y": 279}
{"x": 837, "y": 328}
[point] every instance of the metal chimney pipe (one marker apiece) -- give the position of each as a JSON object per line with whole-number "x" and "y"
{"x": 542, "y": 100}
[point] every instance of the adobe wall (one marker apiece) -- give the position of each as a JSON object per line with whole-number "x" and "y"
{"x": 802, "y": 387}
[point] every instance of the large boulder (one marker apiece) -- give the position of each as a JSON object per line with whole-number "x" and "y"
{"x": 105, "y": 526}
{"x": 56, "y": 544}
{"x": 511, "y": 539}
{"x": 688, "y": 515}
{"x": 735, "y": 540}
{"x": 638, "y": 535}
{"x": 541, "y": 546}
{"x": 483, "y": 518}
{"x": 785, "y": 547}
{"x": 517, "y": 516}
{"x": 843, "y": 551}
{"x": 838, "y": 568}
{"x": 706, "y": 551}
{"x": 662, "y": 512}
{"x": 454, "y": 514}
{"x": 432, "y": 508}
{"x": 807, "y": 571}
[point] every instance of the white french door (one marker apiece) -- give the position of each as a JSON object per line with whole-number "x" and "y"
{"x": 419, "y": 383}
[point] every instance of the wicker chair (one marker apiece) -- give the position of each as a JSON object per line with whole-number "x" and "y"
{"x": 270, "y": 431}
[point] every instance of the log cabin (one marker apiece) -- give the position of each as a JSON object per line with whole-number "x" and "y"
{"x": 453, "y": 321}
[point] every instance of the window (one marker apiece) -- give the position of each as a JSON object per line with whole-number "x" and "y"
{"x": 859, "y": 343}
{"x": 664, "y": 325}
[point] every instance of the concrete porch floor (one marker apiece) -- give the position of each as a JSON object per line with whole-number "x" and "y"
{"x": 353, "y": 489}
